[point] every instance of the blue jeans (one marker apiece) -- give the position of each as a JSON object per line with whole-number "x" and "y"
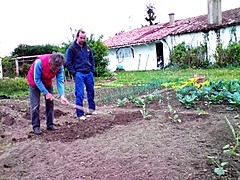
{"x": 35, "y": 107}
{"x": 82, "y": 80}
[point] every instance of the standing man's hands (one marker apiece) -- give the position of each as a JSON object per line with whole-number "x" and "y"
{"x": 49, "y": 96}
{"x": 64, "y": 100}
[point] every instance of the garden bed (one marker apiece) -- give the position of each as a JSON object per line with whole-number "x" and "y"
{"x": 118, "y": 143}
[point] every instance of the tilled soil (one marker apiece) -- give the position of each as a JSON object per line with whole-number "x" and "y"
{"x": 117, "y": 143}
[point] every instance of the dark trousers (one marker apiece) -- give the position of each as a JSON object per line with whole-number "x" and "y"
{"x": 82, "y": 80}
{"x": 35, "y": 107}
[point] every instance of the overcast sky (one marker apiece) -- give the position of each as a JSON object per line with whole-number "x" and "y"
{"x": 40, "y": 22}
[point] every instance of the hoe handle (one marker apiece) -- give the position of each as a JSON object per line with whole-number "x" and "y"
{"x": 74, "y": 106}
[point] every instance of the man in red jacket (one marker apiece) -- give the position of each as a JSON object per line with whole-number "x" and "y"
{"x": 40, "y": 77}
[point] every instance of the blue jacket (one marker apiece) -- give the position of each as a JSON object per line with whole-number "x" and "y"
{"x": 79, "y": 59}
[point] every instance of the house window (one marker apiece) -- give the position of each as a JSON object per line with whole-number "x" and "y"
{"x": 123, "y": 53}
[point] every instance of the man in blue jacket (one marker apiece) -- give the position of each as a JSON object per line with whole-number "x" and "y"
{"x": 81, "y": 64}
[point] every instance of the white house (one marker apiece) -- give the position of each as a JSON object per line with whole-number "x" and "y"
{"x": 142, "y": 48}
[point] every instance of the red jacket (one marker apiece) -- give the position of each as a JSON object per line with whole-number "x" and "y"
{"x": 46, "y": 75}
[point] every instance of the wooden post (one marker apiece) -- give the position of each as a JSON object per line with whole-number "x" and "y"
{"x": 139, "y": 61}
{"x": 146, "y": 63}
{"x": 1, "y": 72}
{"x": 17, "y": 67}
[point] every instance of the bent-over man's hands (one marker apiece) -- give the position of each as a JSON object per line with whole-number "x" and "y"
{"x": 49, "y": 96}
{"x": 64, "y": 101}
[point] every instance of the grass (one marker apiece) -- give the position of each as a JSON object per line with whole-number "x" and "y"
{"x": 125, "y": 78}
{"x": 130, "y": 82}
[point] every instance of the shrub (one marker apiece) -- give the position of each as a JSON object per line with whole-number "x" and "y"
{"x": 14, "y": 87}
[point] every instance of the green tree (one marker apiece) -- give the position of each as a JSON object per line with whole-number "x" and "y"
{"x": 100, "y": 53}
{"x": 27, "y": 50}
{"x": 8, "y": 67}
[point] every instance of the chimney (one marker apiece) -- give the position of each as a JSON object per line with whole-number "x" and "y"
{"x": 214, "y": 12}
{"x": 171, "y": 18}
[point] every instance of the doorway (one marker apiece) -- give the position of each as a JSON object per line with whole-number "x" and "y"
{"x": 159, "y": 54}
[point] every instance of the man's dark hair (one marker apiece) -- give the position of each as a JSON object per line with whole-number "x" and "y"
{"x": 80, "y": 31}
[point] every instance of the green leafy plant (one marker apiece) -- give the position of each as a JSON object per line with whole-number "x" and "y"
{"x": 145, "y": 112}
{"x": 217, "y": 99}
{"x": 159, "y": 97}
{"x": 219, "y": 170}
{"x": 235, "y": 99}
{"x": 200, "y": 111}
{"x": 132, "y": 99}
{"x": 170, "y": 109}
{"x": 229, "y": 149}
{"x": 173, "y": 114}
{"x": 149, "y": 98}
{"x": 188, "y": 101}
{"x": 140, "y": 102}
{"x": 232, "y": 149}
{"x": 233, "y": 86}
{"x": 121, "y": 102}
{"x": 175, "y": 118}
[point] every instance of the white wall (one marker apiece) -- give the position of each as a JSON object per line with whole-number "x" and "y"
{"x": 145, "y": 58}
{"x": 196, "y": 39}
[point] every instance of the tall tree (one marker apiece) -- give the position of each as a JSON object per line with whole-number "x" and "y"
{"x": 151, "y": 15}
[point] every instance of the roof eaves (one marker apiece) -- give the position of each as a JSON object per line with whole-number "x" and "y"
{"x": 134, "y": 44}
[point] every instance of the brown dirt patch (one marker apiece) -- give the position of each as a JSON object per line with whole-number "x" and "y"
{"x": 118, "y": 143}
